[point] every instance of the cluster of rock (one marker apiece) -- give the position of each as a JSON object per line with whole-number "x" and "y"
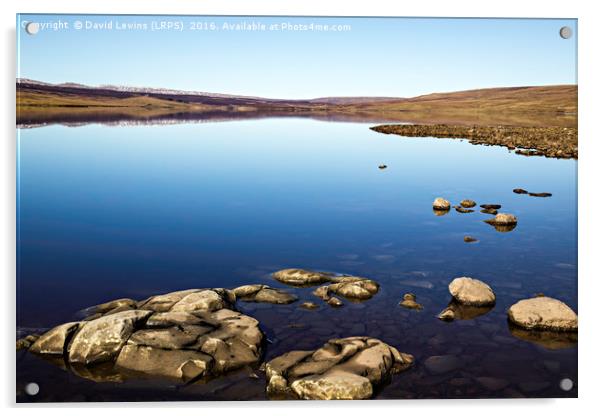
{"x": 501, "y": 222}
{"x": 543, "y": 320}
{"x": 521, "y": 191}
{"x": 556, "y": 142}
{"x": 198, "y": 334}
{"x": 185, "y": 335}
{"x": 343, "y": 369}
{"x": 350, "y": 287}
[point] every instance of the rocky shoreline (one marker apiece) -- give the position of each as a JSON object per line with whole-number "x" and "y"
{"x": 196, "y": 335}
{"x": 554, "y": 142}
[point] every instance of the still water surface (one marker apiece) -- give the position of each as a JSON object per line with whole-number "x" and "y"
{"x": 109, "y": 212}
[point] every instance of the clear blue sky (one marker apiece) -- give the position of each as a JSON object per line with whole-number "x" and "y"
{"x": 376, "y": 57}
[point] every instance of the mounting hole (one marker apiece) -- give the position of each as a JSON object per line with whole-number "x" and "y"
{"x": 32, "y": 28}
{"x": 32, "y": 389}
{"x": 566, "y": 384}
{"x": 566, "y": 32}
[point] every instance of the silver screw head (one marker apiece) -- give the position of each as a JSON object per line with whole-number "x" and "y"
{"x": 566, "y": 32}
{"x": 32, "y": 389}
{"x": 32, "y": 28}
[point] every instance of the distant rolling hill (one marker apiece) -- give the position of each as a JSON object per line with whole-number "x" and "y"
{"x": 40, "y": 102}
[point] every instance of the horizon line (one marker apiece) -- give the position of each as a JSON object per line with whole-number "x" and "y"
{"x": 140, "y": 89}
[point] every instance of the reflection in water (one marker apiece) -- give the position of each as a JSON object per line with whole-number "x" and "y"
{"x": 456, "y": 310}
{"x": 134, "y": 211}
{"x": 550, "y": 340}
{"x": 502, "y": 228}
{"x": 440, "y": 212}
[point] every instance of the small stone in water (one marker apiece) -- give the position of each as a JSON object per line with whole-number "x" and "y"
{"x": 382, "y": 167}
{"x": 409, "y": 301}
{"x": 520, "y": 191}
{"x": 491, "y": 206}
{"x": 540, "y": 194}
{"x": 468, "y": 203}
{"x": 441, "y": 204}
{"x": 441, "y": 364}
{"x": 469, "y": 239}
{"x": 335, "y": 302}
{"x": 503, "y": 219}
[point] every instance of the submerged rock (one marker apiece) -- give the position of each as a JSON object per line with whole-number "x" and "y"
{"x": 300, "y": 277}
{"x": 473, "y": 292}
{"x": 409, "y": 301}
{"x": 181, "y": 335}
{"x": 309, "y": 305}
{"x": 263, "y": 294}
{"x": 441, "y": 204}
{"x": 463, "y": 210}
{"x": 334, "y": 302}
{"x": 468, "y": 203}
{"x": 492, "y": 383}
{"x": 441, "y": 364}
{"x": 343, "y": 369}
{"x": 543, "y": 313}
{"x": 26, "y": 342}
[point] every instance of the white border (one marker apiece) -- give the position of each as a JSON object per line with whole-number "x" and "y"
{"x": 589, "y": 192}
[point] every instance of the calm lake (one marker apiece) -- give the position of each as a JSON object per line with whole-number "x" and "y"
{"x": 106, "y": 212}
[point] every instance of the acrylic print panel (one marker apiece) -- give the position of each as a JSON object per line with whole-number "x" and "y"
{"x": 259, "y": 208}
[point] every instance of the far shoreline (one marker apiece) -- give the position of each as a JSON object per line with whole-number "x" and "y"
{"x": 553, "y": 142}
{"x": 40, "y": 104}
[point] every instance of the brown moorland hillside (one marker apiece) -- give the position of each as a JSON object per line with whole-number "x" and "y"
{"x": 42, "y": 103}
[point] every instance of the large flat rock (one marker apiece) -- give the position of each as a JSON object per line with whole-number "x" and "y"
{"x": 182, "y": 335}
